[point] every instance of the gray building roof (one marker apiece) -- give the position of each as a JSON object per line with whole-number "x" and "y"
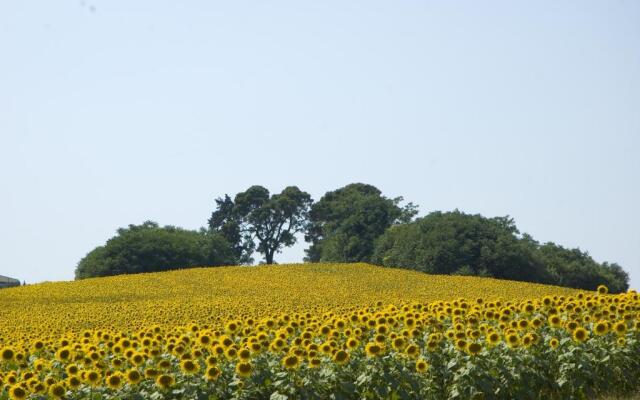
{"x": 6, "y": 279}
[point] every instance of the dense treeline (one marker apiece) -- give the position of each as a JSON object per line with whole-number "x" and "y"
{"x": 459, "y": 243}
{"x": 355, "y": 223}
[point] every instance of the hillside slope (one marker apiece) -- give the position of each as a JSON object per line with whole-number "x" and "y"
{"x": 315, "y": 331}
{"x": 208, "y": 295}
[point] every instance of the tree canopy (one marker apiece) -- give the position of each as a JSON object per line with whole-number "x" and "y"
{"x": 256, "y": 216}
{"x": 354, "y": 223}
{"x": 575, "y": 268}
{"x": 459, "y": 243}
{"x": 149, "y": 248}
{"x": 344, "y": 224}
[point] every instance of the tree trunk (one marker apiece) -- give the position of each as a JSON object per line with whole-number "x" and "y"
{"x": 268, "y": 256}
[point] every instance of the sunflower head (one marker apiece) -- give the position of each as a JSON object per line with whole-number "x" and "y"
{"x": 373, "y": 349}
{"x": 134, "y": 376}
{"x": 17, "y": 393}
{"x": 115, "y": 381}
{"x": 92, "y": 377}
{"x": 137, "y": 359}
{"x": 399, "y": 343}
{"x": 513, "y": 340}
{"x": 493, "y": 338}
{"x": 555, "y": 321}
{"x": 422, "y": 365}
{"x": 601, "y": 328}
{"x": 72, "y": 369}
{"x": 63, "y": 354}
{"x": 74, "y": 382}
{"x": 212, "y": 373}
{"x": 244, "y": 369}
{"x": 244, "y": 354}
{"x": 151, "y": 373}
{"x": 291, "y": 361}
{"x": 412, "y": 350}
{"x": 189, "y": 367}
{"x": 165, "y": 381}
{"x": 474, "y": 348}
{"x": 314, "y": 362}
{"x": 620, "y": 328}
{"x": 341, "y": 357}
{"x": 580, "y": 334}
{"x": 57, "y": 391}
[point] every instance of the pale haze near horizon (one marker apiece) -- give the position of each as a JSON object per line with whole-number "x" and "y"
{"x": 117, "y": 112}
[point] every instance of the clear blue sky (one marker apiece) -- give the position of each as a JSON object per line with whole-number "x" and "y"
{"x": 115, "y": 112}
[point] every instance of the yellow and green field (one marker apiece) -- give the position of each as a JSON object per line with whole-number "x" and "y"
{"x": 314, "y": 331}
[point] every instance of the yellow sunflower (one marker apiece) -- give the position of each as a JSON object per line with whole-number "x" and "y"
{"x": 212, "y": 373}
{"x": 165, "y": 381}
{"x": 244, "y": 369}
{"x": 373, "y": 349}
{"x": 422, "y": 365}
{"x": 580, "y": 335}
{"x": 291, "y": 362}
{"x": 341, "y": 357}
{"x": 17, "y": 393}
{"x": 115, "y": 380}
{"x": 474, "y": 348}
{"x": 133, "y": 376}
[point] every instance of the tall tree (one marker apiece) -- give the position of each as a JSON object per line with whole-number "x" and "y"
{"x": 345, "y": 223}
{"x": 226, "y": 222}
{"x": 256, "y": 216}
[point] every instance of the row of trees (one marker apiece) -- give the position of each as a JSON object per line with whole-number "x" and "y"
{"x": 355, "y": 223}
{"x": 342, "y": 226}
{"x": 464, "y": 244}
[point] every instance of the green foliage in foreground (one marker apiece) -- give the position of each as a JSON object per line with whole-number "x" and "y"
{"x": 591, "y": 370}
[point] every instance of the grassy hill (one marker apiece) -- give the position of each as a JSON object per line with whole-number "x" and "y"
{"x": 206, "y": 295}
{"x": 315, "y": 331}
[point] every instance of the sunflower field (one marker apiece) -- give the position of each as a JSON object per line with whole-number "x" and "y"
{"x": 315, "y": 331}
